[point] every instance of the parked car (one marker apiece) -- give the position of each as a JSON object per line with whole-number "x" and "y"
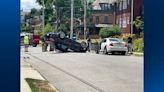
{"x": 112, "y": 45}
{"x": 35, "y": 40}
{"x": 63, "y": 43}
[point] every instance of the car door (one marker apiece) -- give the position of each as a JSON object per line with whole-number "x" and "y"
{"x": 103, "y": 44}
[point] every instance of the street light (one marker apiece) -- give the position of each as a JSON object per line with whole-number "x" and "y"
{"x": 43, "y": 15}
{"x": 71, "y": 33}
{"x": 132, "y": 17}
{"x": 85, "y": 2}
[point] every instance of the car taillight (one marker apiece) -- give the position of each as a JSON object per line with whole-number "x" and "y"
{"x": 126, "y": 45}
{"x": 111, "y": 44}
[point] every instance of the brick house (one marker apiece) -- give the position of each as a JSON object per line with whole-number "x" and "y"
{"x": 102, "y": 16}
{"x": 106, "y": 13}
{"x": 123, "y": 14}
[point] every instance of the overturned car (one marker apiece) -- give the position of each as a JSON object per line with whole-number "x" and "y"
{"x": 59, "y": 41}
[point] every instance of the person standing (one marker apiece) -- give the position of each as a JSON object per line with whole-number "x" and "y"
{"x": 26, "y": 42}
{"x": 89, "y": 44}
{"x": 44, "y": 43}
{"x": 130, "y": 47}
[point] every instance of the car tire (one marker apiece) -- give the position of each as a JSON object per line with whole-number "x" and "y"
{"x": 105, "y": 51}
{"x": 97, "y": 52}
{"x": 113, "y": 53}
{"x": 84, "y": 44}
{"x": 62, "y": 35}
{"x": 123, "y": 53}
{"x": 34, "y": 44}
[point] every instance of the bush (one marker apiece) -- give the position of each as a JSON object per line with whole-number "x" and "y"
{"x": 134, "y": 36}
{"x": 110, "y": 31}
{"x": 138, "y": 45}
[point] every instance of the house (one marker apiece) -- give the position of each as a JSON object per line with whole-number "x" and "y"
{"x": 102, "y": 16}
{"x": 123, "y": 14}
{"x": 36, "y": 23}
{"x": 106, "y": 13}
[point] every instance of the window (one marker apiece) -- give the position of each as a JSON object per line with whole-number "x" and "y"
{"x": 106, "y": 19}
{"x": 114, "y": 40}
{"x": 128, "y": 20}
{"x": 124, "y": 3}
{"x": 128, "y": 2}
{"x": 97, "y": 19}
{"x": 104, "y": 40}
{"x": 117, "y": 21}
{"x": 120, "y": 22}
{"x": 105, "y": 6}
{"x": 120, "y": 6}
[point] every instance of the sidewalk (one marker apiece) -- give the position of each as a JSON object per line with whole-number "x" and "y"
{"x": 27, "y": 72}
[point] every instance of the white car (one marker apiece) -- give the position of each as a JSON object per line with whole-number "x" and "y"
{"x": 112, "y": 45}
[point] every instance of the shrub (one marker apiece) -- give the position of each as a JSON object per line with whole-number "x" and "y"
{"x": 110, "y": 31}
{"x": 134, "y": 36}
{"x": 138, "y": 45}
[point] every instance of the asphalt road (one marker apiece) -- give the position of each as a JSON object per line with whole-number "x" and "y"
{"x": 89, "y": 72}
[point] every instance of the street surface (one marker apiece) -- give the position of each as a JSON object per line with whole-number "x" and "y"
{"x": 88, "y": 72}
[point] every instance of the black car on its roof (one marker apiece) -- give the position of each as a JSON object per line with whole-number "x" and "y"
{"x": 64, "y": 43}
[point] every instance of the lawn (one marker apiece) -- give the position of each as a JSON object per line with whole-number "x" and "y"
{"x": 39, "y": 85}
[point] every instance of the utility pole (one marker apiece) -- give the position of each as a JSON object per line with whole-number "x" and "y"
{"x": 72, "y": 4}
{"x": 85, "y": 9}
{"x": 43, "y": 15}
{"x": 132, "y": 17}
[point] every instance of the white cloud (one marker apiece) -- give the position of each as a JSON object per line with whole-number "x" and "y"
{"x": 26, "y": 5}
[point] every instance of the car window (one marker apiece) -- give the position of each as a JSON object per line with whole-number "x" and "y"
{"x": 104, "y": 40}
{"x": 114, "y": 40}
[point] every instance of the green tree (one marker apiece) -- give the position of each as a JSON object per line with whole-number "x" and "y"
{"x": 110, "y": 31}
{"x": 48, "y": 28}
{"x": 138, "y": 23}
{"x": 62, "y": 11}
{"x": 50, "y": 16}
{"x": 25, "y": 28}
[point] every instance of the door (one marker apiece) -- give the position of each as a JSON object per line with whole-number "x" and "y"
{"x": 103, "y": 44}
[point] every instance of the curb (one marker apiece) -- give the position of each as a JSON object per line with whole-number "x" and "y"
{"x": 53, "y": 87}
{"x": 31, "y": 67}
{"x": 138, "y": 54}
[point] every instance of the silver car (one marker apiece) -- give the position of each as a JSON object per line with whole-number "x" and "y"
{"x": 112, "y": 45}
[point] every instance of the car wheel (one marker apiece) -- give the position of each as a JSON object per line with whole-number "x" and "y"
{"x": 34, "y": 44}
{"x": 113, "y": 53}
{"x": 84, "y": 44}
{"x": 123, "y": 53}
{"x": 105, "y": 51}
{"x": 97, "y": 52}
{"x": 62, "y": 35}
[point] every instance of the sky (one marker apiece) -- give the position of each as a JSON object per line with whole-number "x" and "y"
{"x": 26, "y": 5}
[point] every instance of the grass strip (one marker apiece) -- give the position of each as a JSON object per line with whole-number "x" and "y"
{"x": 39, "y": 85}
